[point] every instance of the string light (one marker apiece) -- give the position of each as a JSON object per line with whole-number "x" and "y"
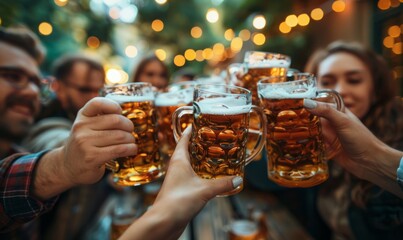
{"x": 236, "y": 44}
{"x": 212, "y": 15}
{"x": 388, "y": 41}
{"x": 384, "y": 4}
{"x": 161, "y": 54}
{"x": 208, "y": 53}
{"x": 394, "y": 31}
{"x": 317, "y": 14}
{"x": 93, "y": 42}
{"x": 339, "y": 6}
{"x": 303, "y": 19}
{"x": 259, "y": 22}
{"x": 291, "y": 20}
{"x": 229, "y": 34}
{"x": 190, "y": 54}
{"x": 244, "y": 34}
{"x": 259, "y": 39}
{"x": 196, "y": 32}
{"x": 199, "y": 56}
{"x": 161, "y": 2}
{"x": 61, "y": 3}
{"x": 45, "y": 28}
{"x": 131, "y": 51}
{"x": 157, "y": 25}
{"x": 179, "y": 60}
{"x": 397, "y": 48}
{"x": 284, "y": 28}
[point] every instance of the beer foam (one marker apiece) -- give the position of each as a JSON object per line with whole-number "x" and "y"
{"x": 287, "y": 93}
{"x": 124, "y": 98}
{"x": 184, "y": 96}
{"x": 270, "y": 63}
{"x": 224, "y": 106}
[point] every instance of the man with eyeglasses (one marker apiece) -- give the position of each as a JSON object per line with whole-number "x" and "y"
{"x": 30, "y": 183}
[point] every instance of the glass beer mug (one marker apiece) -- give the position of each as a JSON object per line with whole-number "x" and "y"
{"x": 137, "y": 103}
{"x": 297, "y": 153}
{"x": 165, "y": 105}
{"x": 217, "y": 147}
{"x": 256, "y": 66}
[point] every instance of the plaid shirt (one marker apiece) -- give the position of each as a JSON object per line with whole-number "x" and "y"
{"x": 17, "y": 206}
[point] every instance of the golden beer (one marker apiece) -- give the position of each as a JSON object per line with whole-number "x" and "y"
{"x": 294, "y": 144}
{"x": 166, "y": 105}
{"x": 254, "y": 74}
{"x": 217, "y": 145}
{"x": 296, "y": 149}
{"x": 137, "y": 103}
{"x": 146, "y": 166}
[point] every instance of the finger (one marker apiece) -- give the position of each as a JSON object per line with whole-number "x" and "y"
{"x": 184, "y": 141}
{"x": 116, "y": 151}
{"x": 100, "y": 106}
{"x": 223, "y": 185}
{"x": 336, "y": 118}
{"x": 111, "y": 137}
{"x": 111, "y": 122}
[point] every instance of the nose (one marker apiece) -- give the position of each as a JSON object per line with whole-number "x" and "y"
{"x": 341, "y": 88}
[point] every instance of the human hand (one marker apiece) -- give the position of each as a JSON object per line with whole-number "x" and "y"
{"x": 99, "y": 133}
{"x": 360, "y": 148}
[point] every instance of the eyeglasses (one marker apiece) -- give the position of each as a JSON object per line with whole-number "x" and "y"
{"x": 18, "y": 78}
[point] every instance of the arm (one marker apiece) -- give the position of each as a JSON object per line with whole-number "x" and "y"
{"x": 362, "y": 153}
{"x": 183, "y": 194}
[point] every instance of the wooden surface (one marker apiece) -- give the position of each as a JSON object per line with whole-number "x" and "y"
{"x": 212, "y": 223}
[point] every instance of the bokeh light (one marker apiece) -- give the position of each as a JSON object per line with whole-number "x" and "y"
{"x": 291, "y": 20}
{"x": 190, "y": 54}
{"x": 179, "y": 60}
{"x": 394, "y": 31}
{"x": 161, "y": 54}
{"x": 61, "y": 3}
{"x": 131, "y": 51}
{"x": 338, "y": 6}
{"x": 236, "y": 44}
{"x": 45, "y": 28}
{"x": 259, "y": 22}
{"x": 317, "y": 14}
{"x": 161, "y": 2}
{"x": 93, "y": 42}
{"x": 212, "y": 15}
{"x": 303, "y": 19}
{"x": 196, "y": 32}
{"x": 284, "y": 28}
{"x": 259, "y": 39}
{"x": 388, "y": 41}
{"x": 229, "y": 34}
{"x": 157, "y": 25}
{"x": 244, "y": 34}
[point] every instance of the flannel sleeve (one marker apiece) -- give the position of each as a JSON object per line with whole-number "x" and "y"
{"x": 17, "y": 205}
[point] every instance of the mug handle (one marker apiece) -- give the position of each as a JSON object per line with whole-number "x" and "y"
{"x": 232, "y": 70}
{"x": 112, "y": 165}
{"x": 333, "y": 147}
{"x": 262, "y": 132}
{"x": 176, "y": 123}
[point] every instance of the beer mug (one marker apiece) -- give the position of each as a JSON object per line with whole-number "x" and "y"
{"x": 297, "y": 153}
{"x": 137, "y": 102}
{"x": 258, "y": 65}
{"x": 165, "y": 105}
{"x": 217, "y": 147}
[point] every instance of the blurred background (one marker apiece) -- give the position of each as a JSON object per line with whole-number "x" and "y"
{"x": 206, "y": 35}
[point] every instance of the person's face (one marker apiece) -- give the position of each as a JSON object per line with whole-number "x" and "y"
{"x": 19, "y": 92}
{"x": 81, "y": 85}
{"x": 155, "y": 74}
{"x": 351, "y": 78}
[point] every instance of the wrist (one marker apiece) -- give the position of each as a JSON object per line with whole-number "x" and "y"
{"x": 386, "y": 161}
{"x": 51, "y": 178}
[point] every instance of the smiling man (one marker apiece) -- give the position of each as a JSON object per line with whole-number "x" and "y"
{"x": 19, "y": 87}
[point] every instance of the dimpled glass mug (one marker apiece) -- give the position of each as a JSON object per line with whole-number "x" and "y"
{"x": 297, "y": 153}
{"x": 217, "y": 147}
{"x": 137, "y": 103}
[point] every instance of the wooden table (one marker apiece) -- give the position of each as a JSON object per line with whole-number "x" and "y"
{"x": 213, "y": 221}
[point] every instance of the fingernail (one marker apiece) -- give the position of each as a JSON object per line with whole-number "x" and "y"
{"x": 237, "y": 181}
{"x": 310, "y": 104}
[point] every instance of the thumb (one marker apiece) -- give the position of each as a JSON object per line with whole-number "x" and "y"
{"x": 222, "y": 185}
{"x": 100, "y": 106}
